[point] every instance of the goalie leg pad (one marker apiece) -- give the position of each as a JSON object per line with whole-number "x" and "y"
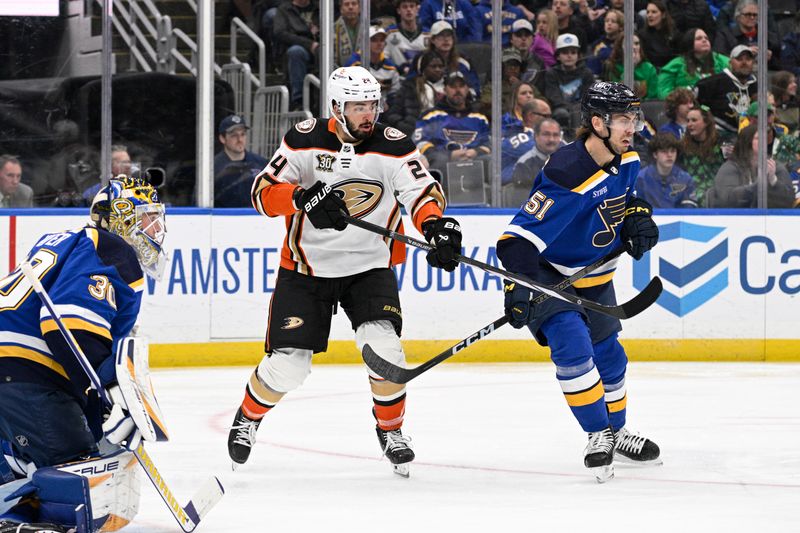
{"x": 103, "y": 492}
{"x": 285, "y": 369}
{"x": 133, "y": 377}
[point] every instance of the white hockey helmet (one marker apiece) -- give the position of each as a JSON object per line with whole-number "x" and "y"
{"x": 352, "y": 84}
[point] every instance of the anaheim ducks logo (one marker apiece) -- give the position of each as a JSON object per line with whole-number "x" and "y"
{"x": 393, "y": 134}
{"x": 360, "y": 196}
{"x": 292, "y": 322}
{"x": 306, "y": 125}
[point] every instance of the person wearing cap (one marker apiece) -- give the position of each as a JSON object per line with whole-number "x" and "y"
{"x": 728, "y": 94}
{"x": 443, "y": 42}
{"x": 234, "y": 167}
{"x": 565, "y": 83}
{"x": 521, "y": 40}
{"x": 698, "y": 61}
{"x": 511, "y": 14}
{"x": 380, "y": 66}
{"x": 452, "y": 131}
{"x": 459, "y": 14}
{"x": 745, "y": 32}
{"x": 406, "y": 40}
{"x": 346, "y": 31}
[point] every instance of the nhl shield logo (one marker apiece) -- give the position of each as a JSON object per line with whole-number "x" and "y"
{"x": 325, "y": 162}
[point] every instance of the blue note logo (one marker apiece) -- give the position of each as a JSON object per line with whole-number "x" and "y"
{"x": 698, "y": 280}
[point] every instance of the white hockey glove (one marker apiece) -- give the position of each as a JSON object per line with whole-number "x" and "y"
{"x": 119, "y": 427}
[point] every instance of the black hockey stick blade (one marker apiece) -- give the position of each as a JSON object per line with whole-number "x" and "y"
{"x": 396, "y": 374}
{"x": 643, "y": 300}
{"x": 616, "y": 311}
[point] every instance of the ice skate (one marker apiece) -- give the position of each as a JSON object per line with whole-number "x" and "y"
{"x": 395, "y": 447}
{"x": 599, "y": 455}
{"x": 241, "y": 438}
{"x": 634, "y": 449}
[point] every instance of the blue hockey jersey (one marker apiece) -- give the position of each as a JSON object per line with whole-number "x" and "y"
{"x": 95, "y": 282}
{"x": 575, "y": 211}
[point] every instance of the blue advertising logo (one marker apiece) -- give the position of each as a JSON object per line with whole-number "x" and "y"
{"x": 681, "y": 276}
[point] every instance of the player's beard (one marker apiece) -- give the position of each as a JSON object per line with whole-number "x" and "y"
{"x": 355, "y": 132}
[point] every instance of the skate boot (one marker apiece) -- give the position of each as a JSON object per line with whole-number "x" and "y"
{"x": 634, "y": 449}
{"x": 396, "y": 448}
{"x": 241, "y": 438}
{"x": 599, "y": 455}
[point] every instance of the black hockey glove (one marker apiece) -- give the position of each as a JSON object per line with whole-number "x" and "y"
{"x": 639, "y": 231}
{"x": 323, "y": 208}
{"x": 445, "y": 234}
{"x": 519, "y": 308}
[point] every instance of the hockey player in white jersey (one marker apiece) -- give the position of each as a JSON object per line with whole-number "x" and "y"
{"x": 324, "y": 168}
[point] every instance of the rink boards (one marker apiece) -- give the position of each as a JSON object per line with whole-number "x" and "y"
{"x": 731, "y": 281}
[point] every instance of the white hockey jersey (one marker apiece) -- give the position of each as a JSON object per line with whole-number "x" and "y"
{"x": 373, "y": 177}
{"x": 401, "y": 49}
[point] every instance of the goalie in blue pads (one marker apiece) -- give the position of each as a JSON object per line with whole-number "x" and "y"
{"x": 581, "y": 207}
{"x": 56, "y": 436}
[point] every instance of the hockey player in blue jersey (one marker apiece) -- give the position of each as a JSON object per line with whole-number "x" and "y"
{"x": 581, "y": 208}
{"x": 51, "y": 421}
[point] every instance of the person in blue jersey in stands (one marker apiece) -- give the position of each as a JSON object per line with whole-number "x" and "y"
{"x": 582, "y": 207}
{"x": 50, "y": 418}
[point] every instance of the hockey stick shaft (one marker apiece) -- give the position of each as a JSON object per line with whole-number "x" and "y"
{"x": 396, "y": 374}
{"x": 625, "y": 310}
{"x": 188, "y": 516}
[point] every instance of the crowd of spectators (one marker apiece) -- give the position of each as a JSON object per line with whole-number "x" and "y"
{"x": 694, "y": 63}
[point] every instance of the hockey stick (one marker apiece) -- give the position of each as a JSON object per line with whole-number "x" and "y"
{"x": 631, "y": 308}
{"x": 396, "y": 374}
{"x": 187, "y": 516}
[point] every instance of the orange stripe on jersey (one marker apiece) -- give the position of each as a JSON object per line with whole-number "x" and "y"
{"x": 276, "y": 199}
{"x": 426, "y": 211}
{"x": 332, "y": 125}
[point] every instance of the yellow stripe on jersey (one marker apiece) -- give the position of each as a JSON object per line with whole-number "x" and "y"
{"x": 137, "y": 285}
{"x": 93, "y": 235}
{"x": 71, "y": 323}
{"x": 32, "y": 355}
{"x": 594, "y": 281}
{"x": 629, "y": 157}
{"x": 619, "y": 405}
{"x": 590, "y": 183}
{"x": 578, "y": 399}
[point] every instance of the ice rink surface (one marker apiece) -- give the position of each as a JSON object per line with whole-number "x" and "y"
{"x": 497, "y": 450}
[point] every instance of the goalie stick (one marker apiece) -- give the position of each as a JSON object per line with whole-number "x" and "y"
{"x": 396, "y": 374}
{"x": 187, "y": 516}
{"x": 631, "y": 308}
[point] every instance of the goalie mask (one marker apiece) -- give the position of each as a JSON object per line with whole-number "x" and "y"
{"x": 129, "y": 207}
{"x": 353, "y": 84}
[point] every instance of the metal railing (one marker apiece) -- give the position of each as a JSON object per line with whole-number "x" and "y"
{"x": 238, "y": 25}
